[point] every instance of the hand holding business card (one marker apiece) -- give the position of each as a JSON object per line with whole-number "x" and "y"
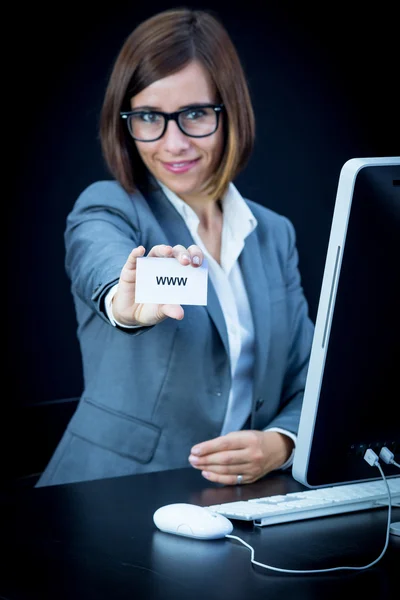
{"x": 166, "y": 281}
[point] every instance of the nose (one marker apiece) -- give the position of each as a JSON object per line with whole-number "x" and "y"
{"x": 174, "y": 140}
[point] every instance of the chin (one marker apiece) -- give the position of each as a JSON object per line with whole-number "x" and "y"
{"x": 182, "y": 188}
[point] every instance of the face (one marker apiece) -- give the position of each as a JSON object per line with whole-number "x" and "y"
{"x": 182, "y": 163}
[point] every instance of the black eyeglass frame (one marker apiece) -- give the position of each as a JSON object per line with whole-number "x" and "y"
{"x": 174, "y": 116}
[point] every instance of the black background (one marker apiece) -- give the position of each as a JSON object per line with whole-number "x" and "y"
{"x": 323, "y": 83}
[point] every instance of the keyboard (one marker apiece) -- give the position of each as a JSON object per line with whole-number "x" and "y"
{"x": 312, "y": 503}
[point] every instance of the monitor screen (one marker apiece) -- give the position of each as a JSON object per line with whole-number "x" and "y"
{"x": 352, "y": 394}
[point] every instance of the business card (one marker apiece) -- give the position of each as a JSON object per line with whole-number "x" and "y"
{"x": 166, "y": 281}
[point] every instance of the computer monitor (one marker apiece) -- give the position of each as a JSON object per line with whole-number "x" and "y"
{"x": 352, "y": 393}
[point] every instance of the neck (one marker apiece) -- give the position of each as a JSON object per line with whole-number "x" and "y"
{"x": 207, "y": 209}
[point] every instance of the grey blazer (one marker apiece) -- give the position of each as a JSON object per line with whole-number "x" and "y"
{"x": 152, "y": 393}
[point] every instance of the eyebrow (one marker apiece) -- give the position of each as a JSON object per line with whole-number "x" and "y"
{"x": 158, "y": 109}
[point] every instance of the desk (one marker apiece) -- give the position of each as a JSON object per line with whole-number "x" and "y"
{"x": 96, "y": 540}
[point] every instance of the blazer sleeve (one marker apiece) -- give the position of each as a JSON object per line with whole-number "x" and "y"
{"x": 101, "y": 231}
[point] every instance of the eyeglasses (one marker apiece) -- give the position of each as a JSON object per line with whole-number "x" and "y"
{"x": 196, "y": 121}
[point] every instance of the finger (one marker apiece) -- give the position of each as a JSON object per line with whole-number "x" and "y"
{"x": 225, "y": 459}
{"x": 129, "y": 268}
{"x": 161, "y": 251}
{"x": 196, "y": 255}
{"x": 219, "y": 444}
{"x": 181, "y": 254}
{"x": 225, "y": 469}
{"x": 174, "y": 311}
{"x": 226, "y": 479}
{"x": 136, "y": 253}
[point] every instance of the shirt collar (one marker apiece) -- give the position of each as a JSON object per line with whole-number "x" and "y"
{"x": 238, "y": 217}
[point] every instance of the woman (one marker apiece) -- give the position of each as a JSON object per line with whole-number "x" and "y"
{"x": 217, "y": 387}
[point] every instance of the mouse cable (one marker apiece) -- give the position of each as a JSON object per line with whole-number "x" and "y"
{"x": 372, "y": 459}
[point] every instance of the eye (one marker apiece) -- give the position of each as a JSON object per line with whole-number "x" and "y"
{"x": 147, "y": 117}
{"x": 195, "y": 113}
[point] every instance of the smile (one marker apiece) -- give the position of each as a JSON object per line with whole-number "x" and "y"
{"x": 180, "y": 167}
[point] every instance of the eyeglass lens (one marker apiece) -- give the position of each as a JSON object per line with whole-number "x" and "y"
{"x": 195, "y": 122}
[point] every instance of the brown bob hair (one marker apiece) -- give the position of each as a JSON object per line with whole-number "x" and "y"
{"x": 160, "y": 46}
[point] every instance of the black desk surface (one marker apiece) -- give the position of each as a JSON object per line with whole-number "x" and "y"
{"x": 97, "y": 540}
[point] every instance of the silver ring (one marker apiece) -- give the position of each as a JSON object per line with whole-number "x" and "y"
{"x": 239, "y": 479}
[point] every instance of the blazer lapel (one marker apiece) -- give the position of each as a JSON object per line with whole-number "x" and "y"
{"x": 254, "y": 275}
{"x": 176, "y": 232}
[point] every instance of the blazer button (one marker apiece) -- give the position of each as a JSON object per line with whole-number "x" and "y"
{"x": 259, "y": 403}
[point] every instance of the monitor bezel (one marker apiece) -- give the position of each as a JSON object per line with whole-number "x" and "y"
{"x": 320, "y": 347}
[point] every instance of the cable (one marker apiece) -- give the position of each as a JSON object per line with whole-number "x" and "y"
{"x": 372, "y": 459}
{"x": 388, "y": 457}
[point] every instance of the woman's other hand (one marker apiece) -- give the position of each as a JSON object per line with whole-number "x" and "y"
{"x": 249, "y": 453}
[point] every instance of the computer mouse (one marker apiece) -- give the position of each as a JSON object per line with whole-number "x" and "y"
{"x": 395, "y": 528}
{"x": 191, "y": 520}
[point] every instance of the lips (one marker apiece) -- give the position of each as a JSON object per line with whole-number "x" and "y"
{"x": 181, "y": 166}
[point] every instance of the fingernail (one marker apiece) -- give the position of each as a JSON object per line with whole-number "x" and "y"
{"x": 194, "y": 459}
{"x": 196, "y": 260}
{"x": 186, "y": 257}
{"x": 205, "y": 474}
{"x": 195, "y": 451}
